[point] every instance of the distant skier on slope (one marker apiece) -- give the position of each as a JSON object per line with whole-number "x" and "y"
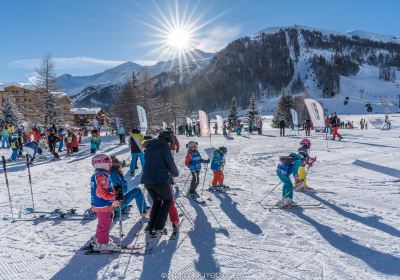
{"x": 289, "y": 165}
{"x": 335, "y": 122}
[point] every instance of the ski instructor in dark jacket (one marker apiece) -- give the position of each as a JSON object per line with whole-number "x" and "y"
{"x": 159, "y": 168}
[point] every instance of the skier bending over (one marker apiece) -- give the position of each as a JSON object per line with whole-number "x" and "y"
{"x": 103, "y": 198}
{"x": 217, "y": 166}
{"x": 193, "y": 161}
{"x": 121, "y": 185}
{"x": 289, "y": 165}
{"x": 304, "y": 149}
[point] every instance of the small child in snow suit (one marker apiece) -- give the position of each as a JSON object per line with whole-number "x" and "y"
{"x": 68, "y": 141}
{"x": 306, "y": 160}
{"x": 93, "y": 144}
{"x": 15, "y": 147}
{"x": 103, "y": 200}
{"x": 217, "y": 166}
{"x": 289, "y": 165}
{"x": 193, "y": 161}
{"x": 121, "y": 185}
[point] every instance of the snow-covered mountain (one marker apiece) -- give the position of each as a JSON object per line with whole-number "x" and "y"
{"x": 357, "y": 66}
{"x": 74, "y": 85}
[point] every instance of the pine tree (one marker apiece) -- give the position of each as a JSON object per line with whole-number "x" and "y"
{"x": 283, "y": 110}
{"x": 52, "y": 112}
{"x": 10, "y": 114}
{"x": 253, "y": 108}
{"x": 125, "y": 105}
{"x": 233, "y": 114}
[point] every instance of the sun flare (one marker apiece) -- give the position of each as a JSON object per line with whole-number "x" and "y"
{"x": 179, "y": 38}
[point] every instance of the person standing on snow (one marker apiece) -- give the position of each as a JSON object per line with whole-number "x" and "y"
{"x": 136, "y": 145}
{"x": 328, "y": 125}
{"x": 282, "y": 125}
{"x": 175, "y": 142}
{"x": 193, "y": 161}
{"x": 104, "y": 200}
{"x": 217, "y": 166}
{"x": 157, "y": 177}
{"x": 289, "y": 165}
{"x": 335, "y": 122}
{"x": 303, "y": 151}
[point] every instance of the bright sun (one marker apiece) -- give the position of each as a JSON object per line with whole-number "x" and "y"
{"x": 179, "y": 38}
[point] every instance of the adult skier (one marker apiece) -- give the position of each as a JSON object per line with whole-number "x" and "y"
{"x": 282, "y": 127}
{"x": 335, "y": 122}
{"x": 136, "y": 145}
{"x": 159, "y": 168}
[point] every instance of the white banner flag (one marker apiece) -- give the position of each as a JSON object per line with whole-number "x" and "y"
{"x": 189, "y": 121}
{"x": 95, "y": 123}
{"x": 117, "y": 122}
{"x": 142, "y": 118}
{"x": 204, "y": 124}
{"x": 316, "y": 112}
{"x": 164, "y": 125}
{"x": 220, "y": 122}
{"x": 295, "y": 118}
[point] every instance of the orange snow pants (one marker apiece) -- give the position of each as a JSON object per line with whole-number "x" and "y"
{"x": 218, "y": 178}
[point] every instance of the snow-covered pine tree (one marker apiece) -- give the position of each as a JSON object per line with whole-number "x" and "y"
{"x": 233, "y": 114}
{"x": 253, "y": 108}
{"x": 283, "y": 110}
{"x": 52, "y": 112}
{"x": 10, "y": 113}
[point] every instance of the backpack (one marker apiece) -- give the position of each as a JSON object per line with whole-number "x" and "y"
{"x": 287, "y": 160}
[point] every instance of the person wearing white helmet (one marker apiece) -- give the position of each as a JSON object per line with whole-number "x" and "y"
{"x": 103, "y": 199}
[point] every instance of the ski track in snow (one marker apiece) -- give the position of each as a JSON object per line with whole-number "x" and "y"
{"x": 354, "y": 236}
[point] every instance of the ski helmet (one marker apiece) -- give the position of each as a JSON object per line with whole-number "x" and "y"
{"x": 306, "y": 143}
{"x": 223, "y": 150}
{"x": 102, "y": 161}
{"x": 191, "y": 144}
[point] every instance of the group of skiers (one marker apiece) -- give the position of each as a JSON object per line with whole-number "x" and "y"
{"x": 36, "y": 140}
{"x": 111, "y": 195}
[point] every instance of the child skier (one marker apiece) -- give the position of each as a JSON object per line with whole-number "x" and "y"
{"x": 15, "y": 148}
{"x": 304, "y": 149}
{"x": 289, "y": 165}
{"x": 93, "y": 144}
{"x": 103, "y": 199}
{"x": 217, "y": 166}
{"x": 193, "y": 161}
{"x": 119, "y": 182}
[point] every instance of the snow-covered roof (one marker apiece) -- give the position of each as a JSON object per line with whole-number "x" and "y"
{"x": 16, "y": 84}
{"x": 59, "y": 93}
{"x": 85, "y": 111}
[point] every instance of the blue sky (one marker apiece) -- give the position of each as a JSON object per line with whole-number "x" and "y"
{"x": 89, "y": 36}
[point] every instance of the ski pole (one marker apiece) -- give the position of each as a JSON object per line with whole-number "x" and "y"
{"x": 269, "y": 192}
{"x": 121, "y": 233}
{"x": 204, "y": 181}
{"x": 184, "y": 212}
{"x": 8, "y": 187}
{"x": 184, "y": 186}
{"x": 30, "y": 181}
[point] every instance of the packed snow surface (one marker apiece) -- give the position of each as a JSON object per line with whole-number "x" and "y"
{"x": 355, "y": 235}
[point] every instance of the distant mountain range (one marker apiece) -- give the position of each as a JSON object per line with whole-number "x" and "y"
{"x": 362, "y": 66}
{"x": 74, "y": 85}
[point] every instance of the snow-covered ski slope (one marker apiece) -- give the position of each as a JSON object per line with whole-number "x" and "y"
{"x": 354, "y": 236}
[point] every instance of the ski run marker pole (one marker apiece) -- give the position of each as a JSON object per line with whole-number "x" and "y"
{"x": 30, "y": 182}
{"x": 8, "y": 187}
